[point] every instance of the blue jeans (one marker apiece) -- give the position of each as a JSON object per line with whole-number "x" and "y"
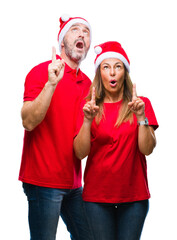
{"x": 117, "y": 221}
{"x": 45, "y": 207}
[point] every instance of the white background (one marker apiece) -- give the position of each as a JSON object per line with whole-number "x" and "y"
{"x": 147, "y": 31}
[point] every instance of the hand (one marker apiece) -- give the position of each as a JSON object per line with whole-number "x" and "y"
{"x": 55, "y": 69}
{"x": 90, "y": 109}
{"x": 137, "y": 105}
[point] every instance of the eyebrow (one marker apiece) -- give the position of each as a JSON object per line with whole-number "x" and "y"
{"x": 77, "y": 25}
{"x": 118, "y": 62}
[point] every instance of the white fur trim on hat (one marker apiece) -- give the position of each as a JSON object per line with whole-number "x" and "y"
{"x": 112, "y": 55}
{"x": 67, "y": 27}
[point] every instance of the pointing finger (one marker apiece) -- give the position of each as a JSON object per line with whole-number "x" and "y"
{"x": 53, "y": 54}
{"x": 134, "y": 92}
{"x": 93, "y": 95}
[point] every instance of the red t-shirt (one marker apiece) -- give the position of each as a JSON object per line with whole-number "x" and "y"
{"x": 47, "y": 158}
{"x": 116, "y": 171}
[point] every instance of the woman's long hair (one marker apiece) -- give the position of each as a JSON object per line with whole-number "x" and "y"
{"x": 124, "y": 114}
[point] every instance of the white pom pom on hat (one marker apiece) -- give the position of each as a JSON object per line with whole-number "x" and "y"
{"x": 98, "y": 50}
{"x": 65, "y": 17}
{"x": 66, "y": 22}
{"x": 111, "y": 49}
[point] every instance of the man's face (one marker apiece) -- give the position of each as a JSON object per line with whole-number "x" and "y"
{"x": 77, "y": 42}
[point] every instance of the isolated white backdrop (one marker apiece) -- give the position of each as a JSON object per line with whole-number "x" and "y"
{"x": 147, "y": 31}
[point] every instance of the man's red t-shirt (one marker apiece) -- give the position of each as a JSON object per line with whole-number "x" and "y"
{"x": 47, "y": 158}
{"x": 116, "y": 170}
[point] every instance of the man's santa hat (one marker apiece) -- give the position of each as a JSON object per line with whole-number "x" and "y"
{"x": 111, "y": 50}
{"x": 66, "y": 22}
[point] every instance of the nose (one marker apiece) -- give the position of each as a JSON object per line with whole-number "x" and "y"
{"x": 112, "y": 71}
{"x": 81, "y": 33}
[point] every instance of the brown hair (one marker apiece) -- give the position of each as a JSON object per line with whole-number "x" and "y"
{"x": 124, "y": 114}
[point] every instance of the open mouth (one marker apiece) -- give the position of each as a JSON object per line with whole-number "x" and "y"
{"x": 80, "y": 44}
{"x": 113, "y": 83}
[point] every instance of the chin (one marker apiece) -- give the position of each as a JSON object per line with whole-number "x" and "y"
{"x": 79, "y": 56}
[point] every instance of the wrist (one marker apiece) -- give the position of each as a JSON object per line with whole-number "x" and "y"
{"x": 141, "y": 117}
{"x": 87, "y": 121}
{"x": 50, "y": 85}
{"x": 144, "y": 122}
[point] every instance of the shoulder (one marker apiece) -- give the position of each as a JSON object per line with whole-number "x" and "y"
{"x": 40, "y": 67}
{"x": 148, "y": 104}
{"x": 38, "y": 71}
{"x": 145, "y": 100}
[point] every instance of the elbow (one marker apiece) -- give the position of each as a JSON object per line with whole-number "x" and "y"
{"x": 27, "y": 126}
{"x": 26, "y": 123}
{"x": 80, "y": 155}
{"x": 148, "y": 147}
{"x": 80, "y": 152}
{"x": 147, "y": 151}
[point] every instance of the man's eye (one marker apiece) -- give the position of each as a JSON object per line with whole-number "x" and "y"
{"x": 86, "y": 32}
{"x": 74, "y": 29}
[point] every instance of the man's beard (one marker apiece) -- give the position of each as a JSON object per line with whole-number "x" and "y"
{"x": 72, "y": 54}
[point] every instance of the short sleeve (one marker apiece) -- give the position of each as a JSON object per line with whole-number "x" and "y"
{"x": 149, "y": 113}
{"x": 35, "y": 81}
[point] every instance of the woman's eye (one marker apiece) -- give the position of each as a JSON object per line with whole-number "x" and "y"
{"x": 118, "y": 66}
{"x": 105, "y": 67}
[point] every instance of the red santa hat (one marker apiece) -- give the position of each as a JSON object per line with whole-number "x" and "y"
{"x": 66, "y": 22}
{"x": 111, "y": 50}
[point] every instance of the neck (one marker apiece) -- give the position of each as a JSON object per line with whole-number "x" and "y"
{"x": 73, "y": 64}
{"x": 113, "y": 97}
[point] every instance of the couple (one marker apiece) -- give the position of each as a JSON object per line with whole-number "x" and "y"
{"x": 66, "y": 118}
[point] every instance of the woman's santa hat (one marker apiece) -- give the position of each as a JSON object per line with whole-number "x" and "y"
{"x": 111, "y": 50}
{"x": 66, "y": 22}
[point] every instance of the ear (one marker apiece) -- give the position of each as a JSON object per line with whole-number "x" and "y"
{"x": 62, "y": 44}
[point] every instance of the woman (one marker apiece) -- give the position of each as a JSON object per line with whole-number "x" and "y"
{"x": 116, "y": 134}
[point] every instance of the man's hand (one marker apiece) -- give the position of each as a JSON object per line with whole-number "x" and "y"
{"x": 55, "y": 69}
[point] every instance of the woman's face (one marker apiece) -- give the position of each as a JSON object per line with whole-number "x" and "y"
{"x": 112, "y": 73}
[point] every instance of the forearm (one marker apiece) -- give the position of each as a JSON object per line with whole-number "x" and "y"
{"x": 82, "y": 141}
{"x": 146, "y": 139}
{"x": 33, "y": 112}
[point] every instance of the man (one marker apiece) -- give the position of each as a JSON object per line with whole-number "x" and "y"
{"x": 50, "y": 173}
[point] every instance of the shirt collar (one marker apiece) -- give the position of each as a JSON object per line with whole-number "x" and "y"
{"x": 68, "y": 69}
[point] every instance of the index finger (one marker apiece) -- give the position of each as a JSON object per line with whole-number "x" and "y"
{"x": 93, "y": 95}
{"x": 134, "y": 92}
{"x": 53, "y": 54}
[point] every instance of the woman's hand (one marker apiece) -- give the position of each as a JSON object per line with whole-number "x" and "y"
{"x": 90, "y": 109}
{"x": 82, "y": 142}
{"x": 137, "y": 105}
